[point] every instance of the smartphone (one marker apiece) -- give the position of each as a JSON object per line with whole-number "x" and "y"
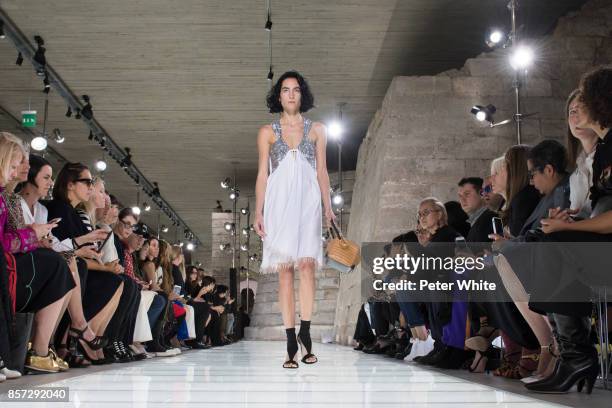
{"x": 104, "y": 242}
{"x": 498, "y": 226}
{"x": 177, "y": 289}
{"x": 55, "y": 221}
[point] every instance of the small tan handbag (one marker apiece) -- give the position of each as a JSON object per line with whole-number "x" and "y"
{"x": 342, "y": 254}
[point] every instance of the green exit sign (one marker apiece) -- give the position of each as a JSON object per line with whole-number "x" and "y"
{"x": 28, "y": 118}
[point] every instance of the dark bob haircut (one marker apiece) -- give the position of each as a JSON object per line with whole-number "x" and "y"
{"x": 273, "y": 98}
{"x": 549, "y": 152}
{"x": 70, "y": 173}
{"x": 596, "y": 94}
{"x": 36, "y": 164}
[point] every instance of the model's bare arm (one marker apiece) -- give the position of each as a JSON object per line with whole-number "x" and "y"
{"x": 264, "y": 138}
{"x": 320, "y": 133}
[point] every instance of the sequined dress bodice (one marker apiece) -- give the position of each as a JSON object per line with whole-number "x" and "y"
{"x": 279, "y": 149}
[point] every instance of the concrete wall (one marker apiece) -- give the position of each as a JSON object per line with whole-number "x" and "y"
{"x": 423, "y": 139}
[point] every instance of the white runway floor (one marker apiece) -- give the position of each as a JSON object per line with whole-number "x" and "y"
{"x": 249, "y": 374}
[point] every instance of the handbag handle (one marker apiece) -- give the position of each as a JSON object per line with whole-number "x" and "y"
{"x": 334, "y": 230}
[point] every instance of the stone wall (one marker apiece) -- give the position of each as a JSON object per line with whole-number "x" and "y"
{"x": 423, "y": 139}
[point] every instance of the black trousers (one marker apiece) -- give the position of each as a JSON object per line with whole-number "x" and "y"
{"x": 201, "y": 313}
{"x": 122, "y": 324}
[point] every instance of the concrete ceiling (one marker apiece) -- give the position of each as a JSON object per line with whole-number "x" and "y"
{"x": 183, "y": 83}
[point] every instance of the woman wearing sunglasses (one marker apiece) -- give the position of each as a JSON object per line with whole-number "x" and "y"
{"x": 101, "y": 288}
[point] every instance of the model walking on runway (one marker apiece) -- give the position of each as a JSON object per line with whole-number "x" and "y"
{"x": 291, "y": 183}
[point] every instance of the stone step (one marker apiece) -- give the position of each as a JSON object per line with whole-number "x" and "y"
{"x": 327, "y": 305}
{"x": 273, "y": 319}
{"x": 327, "y": 278}
{"x": 320, "y": 294}
{"x": 277, "y": 332}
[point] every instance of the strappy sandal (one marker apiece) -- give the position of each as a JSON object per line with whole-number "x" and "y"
{"x": 483, "y": 339}
{"x": 74, "y": 357}
{"x": 508, "y": 369}
{"x": 290, "y": 362}
{"x": 308, "y": 355}
{"x": 96, "y": 344}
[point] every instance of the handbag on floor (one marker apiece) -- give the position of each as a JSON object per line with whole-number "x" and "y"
{"x": 342, "y": 254}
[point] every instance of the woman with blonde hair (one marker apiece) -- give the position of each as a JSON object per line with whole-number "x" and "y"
{"x": 34, "y": 286}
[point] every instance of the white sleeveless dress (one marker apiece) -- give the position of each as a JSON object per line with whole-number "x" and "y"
{"x": 292, "y": 206}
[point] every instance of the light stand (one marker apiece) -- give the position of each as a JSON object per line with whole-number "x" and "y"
{"x": 516, "y": 84}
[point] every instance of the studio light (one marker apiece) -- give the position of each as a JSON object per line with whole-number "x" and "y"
{"x": 69, "y": 112}
{"x": 101, "y": 165}
{"x": 19, "y": 60}
{"x": 136, "y": 210}
{"x": 181, "y": 244}
{"x": 164, "y": 229}
{"x": 147, "y": 208}
{"x": 2, "y": 35}
{"x": 245, "y": 231}
{"x": 91, "y": 135}
{"x": 270, "y": 74}
{"x": 521, "y": 58}
{"x": 244, "y": 211}
{"x": 39, "y": 56}
{"x": 39, "y": 143}
{"x": 225, "y": 184}
{"x": 253, "y": 257}
{"x": 224, "y": 247}
{"x": 338, "y": 200}
{"x": 335, "y": 130}
{"x": 87, "y": 110}
{"x": 483, "y": 113}
{"x": 78, "y": 114}
{"x": 244, "y": 248}
{"x": 190, "y": 246}
{"x": 57, "y": 136}
{"x": 219, "y": 207}
{"x": 495, "y": 38}
{"x": 234, "y": 195}
{"x": 228, "y": 226}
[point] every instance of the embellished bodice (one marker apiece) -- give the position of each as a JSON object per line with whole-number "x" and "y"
{"x": 279, "y": 148}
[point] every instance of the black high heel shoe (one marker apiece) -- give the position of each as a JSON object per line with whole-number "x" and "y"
{"x": 292, "y": 350}
{"x": 308, "y": 356}
{"x": 96, "y": 344}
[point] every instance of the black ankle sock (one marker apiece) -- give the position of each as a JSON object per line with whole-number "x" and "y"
{"x": 292, "y": 346}
{"x": 305, "y": 334}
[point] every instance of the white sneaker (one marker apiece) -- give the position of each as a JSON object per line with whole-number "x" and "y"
{"x": 2, "y": 378}
{"x": 167, "y": 353}
{"x": 176, "y": 350}
{"x": 9, "y": 374}
{"x": 420, "y": 348}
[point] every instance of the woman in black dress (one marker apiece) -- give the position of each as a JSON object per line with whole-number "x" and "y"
{"x": 101, "y": 289}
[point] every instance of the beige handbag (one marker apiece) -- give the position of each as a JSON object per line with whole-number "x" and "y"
{"x": 342, "y": 254}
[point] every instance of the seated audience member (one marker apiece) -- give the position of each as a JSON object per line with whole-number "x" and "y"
{"x": 41, "y": 284}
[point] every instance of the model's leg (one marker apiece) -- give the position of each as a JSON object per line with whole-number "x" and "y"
{"x": 307, "y": 294}
{"x": 286, "y": 300}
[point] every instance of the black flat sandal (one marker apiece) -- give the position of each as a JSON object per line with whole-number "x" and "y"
{"x": 308, "y": 355}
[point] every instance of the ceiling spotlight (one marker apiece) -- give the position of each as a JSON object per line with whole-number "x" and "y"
{"x": 335, "y": 130}
{"x": 228, "y": 226}
{"x": 155, "y": 191}
{"x": 69, "y": 112}
{"x": 270, "y": 74}
{"x": 181, "y": 244}
{"x": 39, "y": 56}
{"x": 57, "y": 136}
{"x": 147, "y": 208}
{"x": 483, "y": 113}
{"x": 244, "y": 211}
{"x": 127, "y": 160}
{"x": 101, "y": 165}
{"x": 91, "y": 135}
{"x": 253, "y": 257}
{"x": 2, "y": 35}
{"x": 234, "y": 194}
{"x": 338, "y": 200}
{"x": 521, "y": 58}
{"x": 190, "y": 246}
{"x": 19, "y": 60}
{"x": 244, "y": 247}
{"x": 219, "y": 207}
{"x": 245, "y": 231}
{"x": 87, "y": 110}
{"x": 224, "y": 247}
{"x": 225, "y": 184}
{"x": 39, "y": 143}
{"x": 47, "y": 84}
{"x": 164, "y": 229}
{"x": 78, "y": 114}
{"x": 136, "y": 210}
{"x": 268, "y": 25}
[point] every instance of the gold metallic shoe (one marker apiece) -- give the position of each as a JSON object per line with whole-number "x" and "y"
{"x": 36, "y": 363}
{"x": 63, "y": 366}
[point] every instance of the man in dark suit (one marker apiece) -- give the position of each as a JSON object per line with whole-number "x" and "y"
{"x": 474, "y": 205}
